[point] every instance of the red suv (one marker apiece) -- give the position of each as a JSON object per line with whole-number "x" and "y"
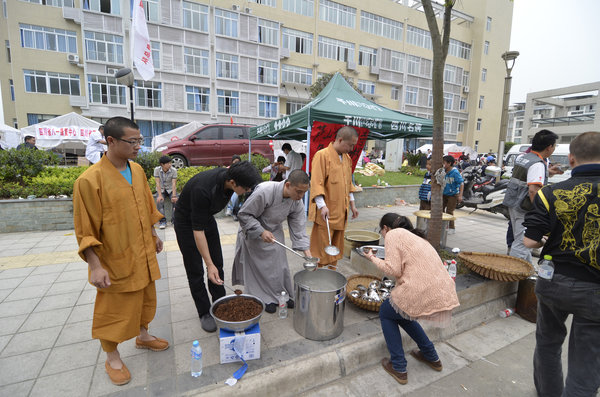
{"x": 214, "y": 144}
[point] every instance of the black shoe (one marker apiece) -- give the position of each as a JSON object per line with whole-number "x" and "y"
{"x": 208, "y": 323}
{"x": 271, "y": 308}
{"x": 290, "y": 304}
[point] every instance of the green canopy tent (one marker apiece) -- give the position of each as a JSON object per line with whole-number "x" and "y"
{"x": 339, "y": 103}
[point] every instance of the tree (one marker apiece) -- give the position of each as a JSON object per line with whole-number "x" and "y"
{"x": 322, "y": 81}
{"x": 440, "y": 51}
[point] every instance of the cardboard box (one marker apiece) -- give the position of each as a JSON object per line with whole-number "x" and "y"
{"x": 250, "y": 347}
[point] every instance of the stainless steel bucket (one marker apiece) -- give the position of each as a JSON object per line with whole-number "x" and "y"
{"x": 320, "y": 303}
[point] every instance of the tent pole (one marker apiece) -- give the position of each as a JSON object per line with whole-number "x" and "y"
{"x": 308, "y": 130}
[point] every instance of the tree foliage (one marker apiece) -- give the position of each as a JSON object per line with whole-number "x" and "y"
{"x": 322, "y": 81}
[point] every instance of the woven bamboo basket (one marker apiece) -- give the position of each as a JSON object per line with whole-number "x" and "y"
{"x": 497, "y": 267}
{"x": 363, "y": 279}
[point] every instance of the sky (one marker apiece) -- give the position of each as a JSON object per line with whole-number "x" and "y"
{"x": 558, "y": 42}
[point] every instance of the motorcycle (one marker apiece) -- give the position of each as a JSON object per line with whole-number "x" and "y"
{"x": 481, "y": 190}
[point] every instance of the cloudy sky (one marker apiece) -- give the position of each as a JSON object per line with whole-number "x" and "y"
{"x": 559, "y": 44}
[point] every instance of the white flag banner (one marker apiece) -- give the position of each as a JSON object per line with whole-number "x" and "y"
{"x": 141, "y": 50}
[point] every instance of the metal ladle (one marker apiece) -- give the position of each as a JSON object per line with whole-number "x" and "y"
{"x": 310, "y": 263}
{"x": 331, "y": 250}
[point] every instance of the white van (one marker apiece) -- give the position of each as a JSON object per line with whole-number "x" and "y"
{"x": 560, "y": 156}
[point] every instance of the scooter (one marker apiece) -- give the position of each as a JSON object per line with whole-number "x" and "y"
{"x": 482, "y": 192}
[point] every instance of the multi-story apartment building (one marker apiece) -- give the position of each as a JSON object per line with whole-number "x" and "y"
{"x": 567, "y": 111}
{"x": 250, "y": 60}
{"x": 514, "y": 131}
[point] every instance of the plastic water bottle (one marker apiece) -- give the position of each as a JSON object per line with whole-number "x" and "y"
{"x": 196, "y": 359}
{"x": 283, "y": 298}
{"x": 546, "y": 268}
{"x": 452, "y": 269}
{"x": 507, "y": 312}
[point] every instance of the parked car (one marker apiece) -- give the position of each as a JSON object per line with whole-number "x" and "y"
{"x": 214, "y": 144}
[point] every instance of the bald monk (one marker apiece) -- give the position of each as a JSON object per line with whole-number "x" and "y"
{"x": 330, "y": 194}
{"x": 114, "y": 214}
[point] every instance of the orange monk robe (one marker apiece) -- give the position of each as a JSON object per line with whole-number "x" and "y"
{"x": 332, "y": 179}
{"x": 116, "y": 220}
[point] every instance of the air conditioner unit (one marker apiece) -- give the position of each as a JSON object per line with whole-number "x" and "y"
{"x": 235, "y": 7}
{"x": 72, "y": 58}
{"x": 284, "y": 53}
{"x": 248, "y": 10}
{"x": 466, "y": 90}
{"x": 374, "y": 69}
{"x": 111, "y": 71}
{"x": 351, "y": 65}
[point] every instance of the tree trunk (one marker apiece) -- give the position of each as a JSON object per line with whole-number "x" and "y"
{"x": 440, "y": 51}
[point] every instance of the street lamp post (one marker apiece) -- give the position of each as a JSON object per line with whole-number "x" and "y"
{"x": 509, "y": 58}
{"x": 125, "y": 76}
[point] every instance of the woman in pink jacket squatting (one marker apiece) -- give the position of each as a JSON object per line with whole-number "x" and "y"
{"x": 424, "y": 291}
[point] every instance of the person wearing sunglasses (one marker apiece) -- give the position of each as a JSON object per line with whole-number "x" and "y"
{"x": 114, "y": 213}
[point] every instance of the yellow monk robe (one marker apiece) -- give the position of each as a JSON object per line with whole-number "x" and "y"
{"x": 332, "y": 179}
{"x": 116, "y": 219}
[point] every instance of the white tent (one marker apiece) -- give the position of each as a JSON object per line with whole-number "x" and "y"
{"x": 69, "y": 131}
{"x": 9, "y": 137}
{"x": 451, "y": 147}
{"x": 176, "y": 134}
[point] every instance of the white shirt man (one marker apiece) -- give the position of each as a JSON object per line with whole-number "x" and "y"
{"x": 293, "y": 160}
{"x": 95, "y": 146}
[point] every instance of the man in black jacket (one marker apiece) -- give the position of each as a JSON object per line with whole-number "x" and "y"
{"x": 569, "y": 212}
{"x": 206, "y": 194}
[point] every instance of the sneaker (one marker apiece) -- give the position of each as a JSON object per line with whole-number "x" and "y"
{"x": 162, "y": 226}
{"x": 451, "y": 231}
{"x": 208, "y": 323}
{"x": 401, "y": 377}
{"x": 228, "y": 212}
{"x": 436, "y": 365}
{"x": 290, "y": 304}
{"x": 271, "y": 308}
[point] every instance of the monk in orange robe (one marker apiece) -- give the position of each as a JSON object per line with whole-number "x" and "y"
{"x": 114, "y": 214}
{"x": 331, "y": 194}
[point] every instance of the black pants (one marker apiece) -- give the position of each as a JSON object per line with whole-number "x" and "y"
{"x": 194, "y": 267}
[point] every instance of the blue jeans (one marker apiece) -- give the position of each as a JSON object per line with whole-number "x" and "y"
{"x": 556, "y": 300}
{"x": 390, "y": 320}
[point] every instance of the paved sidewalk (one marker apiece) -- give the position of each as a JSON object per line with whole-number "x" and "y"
{"x": 46, "y": 309}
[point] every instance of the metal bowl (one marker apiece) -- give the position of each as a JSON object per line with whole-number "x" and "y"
{"x": 236, "y": 326}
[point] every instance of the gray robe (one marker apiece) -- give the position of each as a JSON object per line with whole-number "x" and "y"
{"x": 263, "y": 267}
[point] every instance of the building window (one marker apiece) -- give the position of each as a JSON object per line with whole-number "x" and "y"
{"x": 461, "y": 126}
{"x": 12, "y": 90}
{"x": 448, "y": 101}
{"x": 227, "y": 66}
{"x": 465, "y": 79}
{"x": 267, "y": 72}
{"x": 104, "y": 47}
{"x": 395, "y": 93}
{"x": 430, "y": 99}
{"x": 337, "y": 13}
{"x": 366, "y": 87}
{"x": 267, "y": 106}
{"x": 148, "y": 93}
{"x": 155, "y": 54}
{"x": 197, "y": 98}
{"x": 367, "y": 56}
{"x": 459, "y": 49}
{"x": 195, "y": 16}
{"x": 447, "y": 125}
{"x": 38, "y": 118}
{"x": 8, "y": 56}
{"x": 481, "y": 99}
{"x": 51, "y": 83}
{"x": 292, "y": 107}
{"x": 228, "y": 101}
{"x": 268, "y": 32}
{"x": 418, "y": 37}
{"x": 483, "y": 74}
{"x": 106, "y": 90}
{"x": 414, "y": 65}
{"x": 302, "y": 7}
{"x": 397, "y": 61}
{"x": 478, "y": 125}
{"x": 336, "y": 49}
{"x": 463, "y": 103}
{"x": 151, "y": 8}
{"x": 297, "y": 41}
{"x": 49, "y": 39}
{"x": 380, "y": 26}
{"x": 196, "y": 61}
{"x": 450, "y": 74}
{"x": 226, "y": 23}
{"x": 488, "y": 24}
{"x": 270, "y": 3}
{"x": 296, "y": 74}
{"x": 486, "y": 47}
{"x": 412, "y": 94}
{"x": 105, "y": 6}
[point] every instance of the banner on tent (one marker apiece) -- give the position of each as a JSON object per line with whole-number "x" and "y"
{"x": 324, "y": 133}
{"x": 52, "y": 132}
